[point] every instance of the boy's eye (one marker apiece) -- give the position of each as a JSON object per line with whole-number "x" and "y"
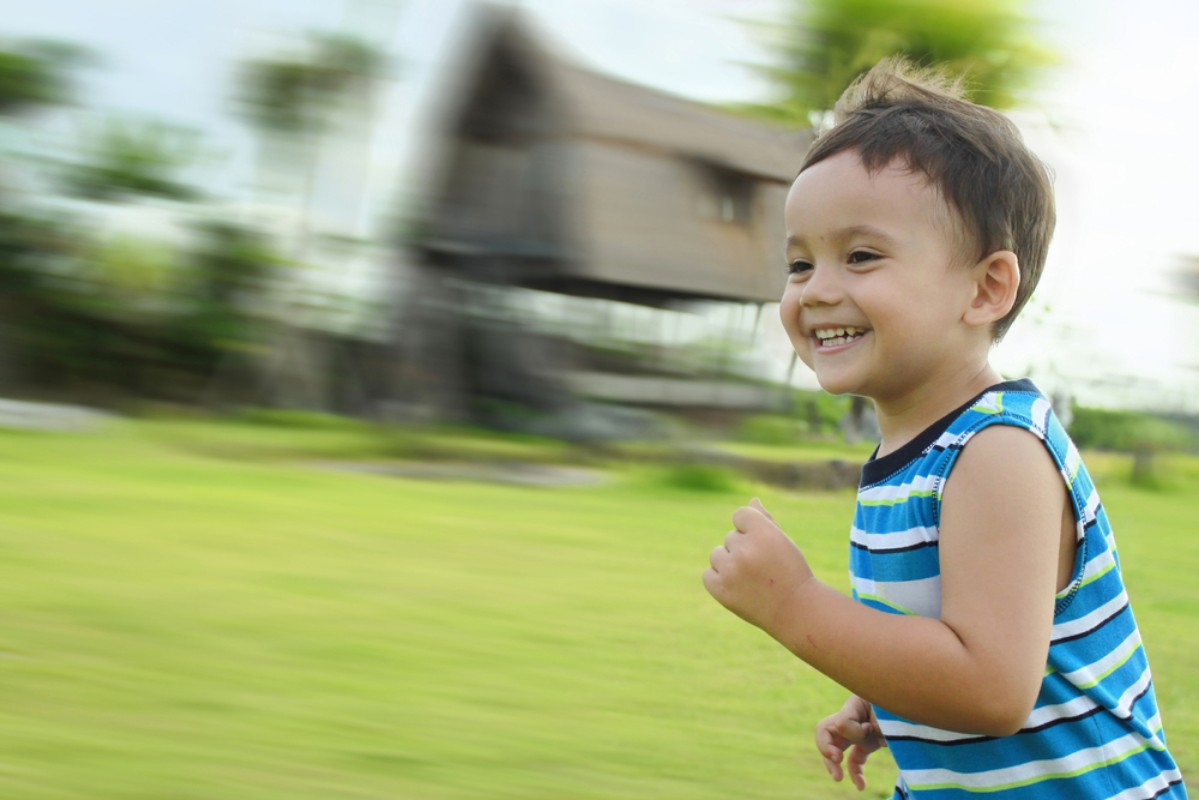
{"x": 862, "y": 256}
{"x": 799, "y": 267}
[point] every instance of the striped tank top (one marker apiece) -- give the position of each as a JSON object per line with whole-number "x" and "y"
{"x": 1095, "y": 731}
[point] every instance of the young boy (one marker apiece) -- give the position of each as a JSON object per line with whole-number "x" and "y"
{"x": 989, "y": 641}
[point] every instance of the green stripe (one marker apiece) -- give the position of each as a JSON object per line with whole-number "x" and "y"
{"x": 985, "y": 410}
{"x": 884, "y": 601}
{"x": 1036, "y": 778}
{"x": 1111, "y": 565}
{"x": 1112, "y": 668}
{"x": 896, "y": 501}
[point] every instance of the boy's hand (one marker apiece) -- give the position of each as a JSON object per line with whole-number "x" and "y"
{"x": 757, "y": 569}
{"x": 853, "y": 728}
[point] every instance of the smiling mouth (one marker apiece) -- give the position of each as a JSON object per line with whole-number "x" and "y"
{"x": 835, "y": 337}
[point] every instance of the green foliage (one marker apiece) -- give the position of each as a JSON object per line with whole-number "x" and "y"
{"x": 299, "y": 420}
{"x": 695, "y": 477}
{"x": 771, "y": 429}
{"x": 295, "y": 96}
{"x": 123, "y": 315}
{"x": 1128, "y": 431}
{"x": 37, "y": 74}
{"x": 822, "y": 45}
{"x": 821, "y": 412}
{"x": 133, "y": 157}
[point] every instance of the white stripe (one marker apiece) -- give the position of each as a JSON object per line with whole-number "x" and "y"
{"x": 987, "y": 401}
{"x": 1149, "y": 788}
{"x": 1091, "y": 507}
{"x": 1092, "y": 619}
{"x": 1123, "y": 707}
{"x": 1039, "y": 716}
{"x": 948, "y": 439}
{"x": 1095, "y": 566}
{"x": 1071, "y": 708}
{"x": 922, "y": 597}
{"x": 889, "y": 492}
{"x": 895, "y": 539}
{"x": 1073, "y": 459}
{"x": 1088, "y": 675}
{"x": 1098, "y": 564}
{"x": 1029, "y": 770}
{"x": 1040, "y": 416}
{"x": 897, "y": 728}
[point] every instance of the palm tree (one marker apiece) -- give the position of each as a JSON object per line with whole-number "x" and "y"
{"x": 822, "y": 45}
{"x": 292, "y": 103}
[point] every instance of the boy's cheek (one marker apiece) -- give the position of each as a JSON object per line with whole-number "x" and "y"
{"x": 799, "y": 342}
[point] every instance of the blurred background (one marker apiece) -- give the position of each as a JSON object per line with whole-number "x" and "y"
{"x": 295, "y": 295}
{"x": 312, "y": 204}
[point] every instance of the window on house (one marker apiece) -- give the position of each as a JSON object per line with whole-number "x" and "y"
{"x": 727, "y": 197}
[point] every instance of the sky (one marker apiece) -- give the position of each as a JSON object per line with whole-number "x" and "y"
{"x": 1116, "y": 123}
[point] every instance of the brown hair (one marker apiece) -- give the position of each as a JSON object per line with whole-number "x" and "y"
{"x": 973, "y": 155}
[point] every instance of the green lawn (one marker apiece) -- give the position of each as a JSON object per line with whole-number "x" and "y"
{"x": 192, "y": 611}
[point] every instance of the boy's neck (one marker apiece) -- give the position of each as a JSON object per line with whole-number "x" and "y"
{"x": 901, "y": 421}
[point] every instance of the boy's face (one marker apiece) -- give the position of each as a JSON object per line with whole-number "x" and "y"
{"x": 876, "y": 290}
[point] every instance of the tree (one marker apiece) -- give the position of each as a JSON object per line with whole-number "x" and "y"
{"x": 822, "y": 45}
{"x": 128, "y": 157}
{"x": 37, "y": 74}
{"x": 293, "y": 103}
{"x": 290, "y": 102}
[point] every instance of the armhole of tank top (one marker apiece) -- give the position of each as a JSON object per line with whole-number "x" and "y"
{"x": 1063, "y": 598}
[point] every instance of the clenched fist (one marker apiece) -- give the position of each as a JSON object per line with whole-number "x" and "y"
{"x": 758, "y": 570}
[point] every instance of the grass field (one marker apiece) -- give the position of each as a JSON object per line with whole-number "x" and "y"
{"x": 193, "y": 610}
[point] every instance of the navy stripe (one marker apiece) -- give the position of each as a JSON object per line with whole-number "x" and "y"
{"x": 927, "y": 460}
{"x": 1091, "y": 630}
{"x": 884, "y": 550}
{"x": 977, "y": 739}
{"x": 1167, "y": 788}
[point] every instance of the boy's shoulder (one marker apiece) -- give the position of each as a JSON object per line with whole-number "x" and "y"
{"x": 1012, "y": 405}
{"x": 1008, "y": 432}
{"x": 1017, "y": 406}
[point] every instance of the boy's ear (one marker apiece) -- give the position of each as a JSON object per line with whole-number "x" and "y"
{"x": 996, "y": 279}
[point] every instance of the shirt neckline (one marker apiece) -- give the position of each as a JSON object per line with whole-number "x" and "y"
{"x": 877, "y": 469}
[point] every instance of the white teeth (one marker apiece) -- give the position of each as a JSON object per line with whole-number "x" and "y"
{"x": 838, "y": 336}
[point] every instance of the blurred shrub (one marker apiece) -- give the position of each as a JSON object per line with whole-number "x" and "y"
{"x": 37, "y": 74}
{"x": 118, "y": 316}
{"x": 1129, "y": 431}
{"x": 771, "y": 429}
{"x": 699, "y": 478}
{"x": 820, "y": 412}
{"x": 127, "y": 157}
{"x": 302, "y": 420}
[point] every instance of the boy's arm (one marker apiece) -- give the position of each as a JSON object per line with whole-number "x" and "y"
{"x": 978, "y": 668}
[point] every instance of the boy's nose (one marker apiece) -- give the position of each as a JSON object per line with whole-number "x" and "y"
{"x": 822, "y": 288}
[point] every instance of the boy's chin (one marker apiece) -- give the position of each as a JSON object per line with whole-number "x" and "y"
{"x": 835, "y": 386}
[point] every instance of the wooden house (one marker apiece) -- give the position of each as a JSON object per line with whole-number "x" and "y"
{"x": 556, "y": 178}
{"x": 562, "y": 179}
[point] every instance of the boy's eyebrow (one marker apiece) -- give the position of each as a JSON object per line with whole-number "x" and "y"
{"x": 848, "y": 232}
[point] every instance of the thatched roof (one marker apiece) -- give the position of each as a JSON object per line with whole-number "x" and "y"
{"x": 640, "y": 163}
{"x": 609, "y": 108}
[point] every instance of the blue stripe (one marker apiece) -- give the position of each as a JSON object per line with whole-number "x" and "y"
{"x": 1090, "y": 727}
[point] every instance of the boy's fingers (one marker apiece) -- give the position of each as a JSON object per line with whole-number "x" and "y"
{"x": 746, "y": 516}
{"x": 856, "y": 764}
{"x": 853, "y": 730}
{"x": 756, "y": 503}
